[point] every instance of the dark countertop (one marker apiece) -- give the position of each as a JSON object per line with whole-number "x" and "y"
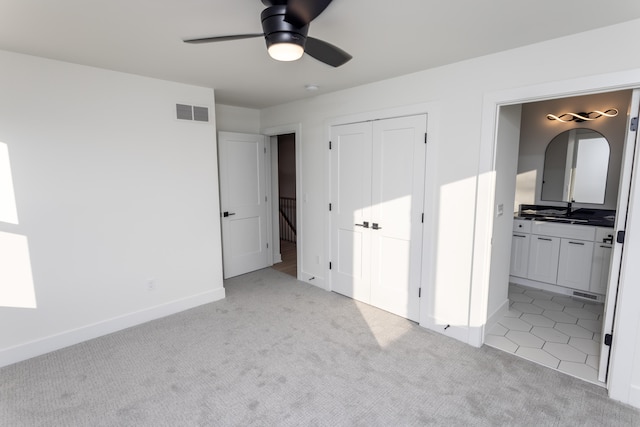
{"x": 582, "y": 216}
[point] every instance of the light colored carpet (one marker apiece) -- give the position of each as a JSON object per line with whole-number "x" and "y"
{"x": 281, "y": 352}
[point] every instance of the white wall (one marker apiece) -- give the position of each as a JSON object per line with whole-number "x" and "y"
{"x": 237, "y": 119}
{"x": 460, "y": 184}
{"x": 505, "y": 170}
{"x": 111, "y": 192}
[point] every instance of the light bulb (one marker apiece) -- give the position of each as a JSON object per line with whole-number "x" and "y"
{"x": 285, "y": 51}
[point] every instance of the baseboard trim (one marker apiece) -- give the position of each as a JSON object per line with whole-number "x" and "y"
{"x": 552, "y": 288}
{"x": 459, "y": 332}
{"x": 51, "y": 343}
{"x": 477, "y": 333}
{"x": 497, "y": 315}
{"x": 634, "y": 396}
{"x": 313, "y": 280}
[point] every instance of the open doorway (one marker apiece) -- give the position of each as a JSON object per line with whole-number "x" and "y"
{"x": 551, "y": 299}
{"x": 284, "y": 152}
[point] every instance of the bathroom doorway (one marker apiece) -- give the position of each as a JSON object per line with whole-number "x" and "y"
{"x": 538, "y": 320}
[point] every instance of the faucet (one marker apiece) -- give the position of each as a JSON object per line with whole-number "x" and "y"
{"x": 568, "y": 209}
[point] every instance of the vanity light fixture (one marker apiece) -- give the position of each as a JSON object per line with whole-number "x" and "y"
{"x": 583, "y": 117}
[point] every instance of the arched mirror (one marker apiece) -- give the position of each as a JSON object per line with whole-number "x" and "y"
{"x": 576, "y": 164}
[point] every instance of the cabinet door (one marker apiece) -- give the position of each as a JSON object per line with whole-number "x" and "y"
{"x": 520, "y": 254}
{"x": 543, "y": 258}
{"x": 600, "y": 268}
{"x": 574, "y": 267}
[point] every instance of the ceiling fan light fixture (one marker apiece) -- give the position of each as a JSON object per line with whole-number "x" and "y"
{"x": 285, "y": 25}
{"x": 285, "y": 51}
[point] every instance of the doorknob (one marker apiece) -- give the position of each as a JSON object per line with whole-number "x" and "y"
{"x": 226, "y": 214}
{"x": 375, "y": 226}
{"x": 364, "y": 224}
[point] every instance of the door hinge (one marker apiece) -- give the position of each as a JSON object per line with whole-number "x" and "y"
{"x": 329, "y": 265}
{"x": 265, "y": 150}
{"x": 620, "y": 236}
{"x": 422, "y": 218}
{"x": 419, "y": 292}
{"x": 633, "y": 126}
{"x": 608, "y": 338}
{"x": 329, "y": 145}
{"x": 265, "y": 198}
{"x": 267, "y": 246}
{"x": 329, "y": 206}
{"x": 425, "y": 137}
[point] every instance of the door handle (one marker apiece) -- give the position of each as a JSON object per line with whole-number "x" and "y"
{"x": 375, "y": 226}
{"x": 365, "y": 224}
{"x": 226, "y": 214}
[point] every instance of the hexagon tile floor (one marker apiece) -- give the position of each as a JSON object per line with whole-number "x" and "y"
{"x": 554, "y": 330}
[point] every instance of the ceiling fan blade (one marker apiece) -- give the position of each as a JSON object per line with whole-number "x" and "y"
{"x": 224, "y": 38}
{"x": 301, "y": 12}
{"x": 326, "y": 52}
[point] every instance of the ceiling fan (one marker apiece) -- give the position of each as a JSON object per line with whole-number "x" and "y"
{"x": 285, "y": 24}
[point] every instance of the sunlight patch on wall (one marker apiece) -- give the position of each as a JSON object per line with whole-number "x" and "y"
{"x": 525, "y": 189}
{"x": 453, "y": 263}
{"x": 16, "y": 281}
{"x": 8, "y": 211}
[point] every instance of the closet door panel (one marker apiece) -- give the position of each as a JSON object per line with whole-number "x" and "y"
{"x": 398, "y": 159}
{"x": 351, "y": 205}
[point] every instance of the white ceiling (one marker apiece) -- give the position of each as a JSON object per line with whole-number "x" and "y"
{"x": 386, "y": 39}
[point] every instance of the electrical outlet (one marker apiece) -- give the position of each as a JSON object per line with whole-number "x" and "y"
{"x": 151, "y": 284}
{"x": 500, "y": 210}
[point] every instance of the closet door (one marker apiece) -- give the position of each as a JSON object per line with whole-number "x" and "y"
{"x": 398, "y": 159}
{"x": 351, "y": 207}
{"x": 377, "y": 190}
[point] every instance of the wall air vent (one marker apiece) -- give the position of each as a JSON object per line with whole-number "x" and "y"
{"x": 200, "y": 114}
{"x": 584, "y": 295}
{"x": 192, "y": 112}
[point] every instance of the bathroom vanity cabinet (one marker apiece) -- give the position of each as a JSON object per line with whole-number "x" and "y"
{"x": 568, "y": 256}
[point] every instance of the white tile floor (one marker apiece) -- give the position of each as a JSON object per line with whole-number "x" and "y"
{"x": 554, "y": 330}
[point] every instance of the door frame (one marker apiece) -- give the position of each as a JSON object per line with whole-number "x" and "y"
{"x": 272, "y": 171}
{"x": 621, "y": 356}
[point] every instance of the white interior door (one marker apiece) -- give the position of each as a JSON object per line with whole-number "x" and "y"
{"x": 243, "y": 202}
{"x": 397, "y": 205}
{"x": 628, "y": 164}
{"x": 351, "y": 207}
{"x": 377, "y": 190}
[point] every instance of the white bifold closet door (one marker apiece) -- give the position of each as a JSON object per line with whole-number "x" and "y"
{"x": 377, "y": 191}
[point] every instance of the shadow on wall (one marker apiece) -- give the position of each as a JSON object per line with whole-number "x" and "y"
{"x": 16, "y": 279}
